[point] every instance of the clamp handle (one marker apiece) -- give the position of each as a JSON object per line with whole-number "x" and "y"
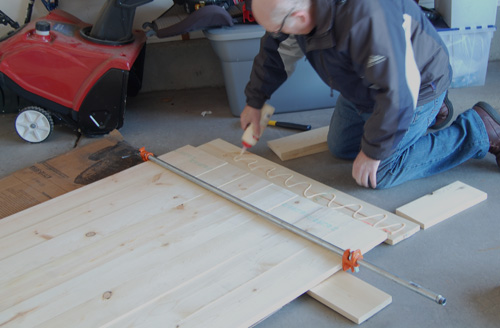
{"x": 350, "y": 260}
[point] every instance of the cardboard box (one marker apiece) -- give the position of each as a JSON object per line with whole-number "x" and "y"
{"x": 467, "y": 13}
{"x": 51, "y": 178}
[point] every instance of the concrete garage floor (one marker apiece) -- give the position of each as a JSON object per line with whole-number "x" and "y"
{"x": 458, "y": 258}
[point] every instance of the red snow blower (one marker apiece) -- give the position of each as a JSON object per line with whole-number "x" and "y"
{"x": 67, "y": 70}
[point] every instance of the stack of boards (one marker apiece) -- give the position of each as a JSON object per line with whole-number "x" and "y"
{"x": 147, "y": 247}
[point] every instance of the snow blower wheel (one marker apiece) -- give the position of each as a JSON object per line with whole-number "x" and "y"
{"x": 34, "y": 124}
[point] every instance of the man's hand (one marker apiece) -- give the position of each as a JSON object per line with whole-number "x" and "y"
{"x": 250, "y": 115}
{"x": 364, "y": 170}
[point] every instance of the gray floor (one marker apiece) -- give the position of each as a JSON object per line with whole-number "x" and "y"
{"x": 458, "y": 258}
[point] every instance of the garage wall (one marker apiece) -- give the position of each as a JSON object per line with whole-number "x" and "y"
{"x": 175, "y": 64}
{"x": 86, "y": 10}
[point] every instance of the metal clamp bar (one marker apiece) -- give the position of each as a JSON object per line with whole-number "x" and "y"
{"x": 290, "y": 227}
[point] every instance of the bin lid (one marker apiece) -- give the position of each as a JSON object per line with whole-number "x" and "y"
{"x": 466, "y": 30}
{"x": 235, "y": 32}
{"x": 441, "y": 26}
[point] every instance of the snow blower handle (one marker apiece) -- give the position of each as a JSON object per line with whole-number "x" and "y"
{"x": 6, "y": 20}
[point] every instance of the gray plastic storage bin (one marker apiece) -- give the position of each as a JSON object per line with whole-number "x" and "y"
{"x": 237, "y": 46}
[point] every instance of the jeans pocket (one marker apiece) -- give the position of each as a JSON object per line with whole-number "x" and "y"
{"x": 433, "y": 115}
{"x": 428, "y": 111}
{"x": 416, "y": 115}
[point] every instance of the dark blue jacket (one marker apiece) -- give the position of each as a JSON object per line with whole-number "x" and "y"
{"x": 382, "y": 55}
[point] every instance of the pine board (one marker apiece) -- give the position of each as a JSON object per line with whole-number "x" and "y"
{"x": 351, "y": 296}
{"x": 442, "y": 204}
{"x": 396, "y": 227}
{"x": 146, "y": 247}
{"x": 300, "y": 144}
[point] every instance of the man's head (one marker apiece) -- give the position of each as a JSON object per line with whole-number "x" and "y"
{"x": 284, "y": 16}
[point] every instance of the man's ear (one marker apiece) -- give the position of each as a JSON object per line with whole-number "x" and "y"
{"x": 302, "y": 18}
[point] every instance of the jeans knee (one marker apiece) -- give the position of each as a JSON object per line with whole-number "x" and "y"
{"x": 340, "y": 151}
{"x": 386, "y": 179}
{"x": 383, "y": 184}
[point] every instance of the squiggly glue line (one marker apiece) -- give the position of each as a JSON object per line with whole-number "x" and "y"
{"x": 356, "y": 213}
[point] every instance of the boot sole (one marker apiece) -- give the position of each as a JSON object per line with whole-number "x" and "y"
{"x": 448, "y": 118}
{"x": 492, "y": 112}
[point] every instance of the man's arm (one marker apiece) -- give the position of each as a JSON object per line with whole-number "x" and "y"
{"x": 272, "y": 66}
{"x": 250, "y": 115}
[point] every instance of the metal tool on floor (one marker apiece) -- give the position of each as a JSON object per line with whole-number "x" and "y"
{"x": 350, "y": 260}
{"x": 288, "y": 125}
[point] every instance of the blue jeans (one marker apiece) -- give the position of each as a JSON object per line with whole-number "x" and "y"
{"x": 419, "y": 154}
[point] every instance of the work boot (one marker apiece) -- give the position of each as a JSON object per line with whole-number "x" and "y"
{"x": 491, "y": 120}
{"x": 445, "y": 114}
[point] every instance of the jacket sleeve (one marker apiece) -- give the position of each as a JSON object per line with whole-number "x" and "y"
{"x": 274, "y": 63}
{"x": 382, "y": 55}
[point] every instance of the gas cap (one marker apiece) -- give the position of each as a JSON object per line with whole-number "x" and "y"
{"x": 42, "y": 28}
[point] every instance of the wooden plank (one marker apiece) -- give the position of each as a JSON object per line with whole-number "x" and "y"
{"x": 189, "y": 159}
{"x": 344, "y": 232}
{"x": 316, "y": 220}
{"x": 138, "y": 215}
{"x": 164, "y": 246}
{"x": 137, "y": 276}
{"x": 441, "y": 204}
{"x": 223, "y": 175}
{"x": 114, "y": 206}
{"x": 269, "y": 197}
{"x": 350, "y": 296}
{"x": 396, "y": 227}
{"x": 300, "y": 144}
{"x": 81, "y": 196}
{"x": 273, "y": 285}
{"x": 198, "y": 303}
{"x": 22, "y": 279}
{"x": 33, "y": 228}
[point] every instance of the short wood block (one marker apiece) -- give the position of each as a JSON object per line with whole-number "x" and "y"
{"x": 350, "y": 296}
{"x": 300, "y": 144}
{"x": 441, "y": 204}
